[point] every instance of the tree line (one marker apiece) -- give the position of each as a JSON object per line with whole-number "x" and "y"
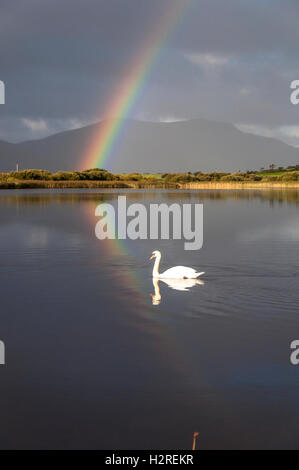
{"x": 290, "y": 173}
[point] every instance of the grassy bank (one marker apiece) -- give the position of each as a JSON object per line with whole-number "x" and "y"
{"x": 99, "y": 178}
{"x": 241, "y": 185}
{"x": 32, "y": 184}
{"x": 50, "y": 184}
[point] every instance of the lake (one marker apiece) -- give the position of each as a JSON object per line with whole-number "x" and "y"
{"x": 99, "y": 357}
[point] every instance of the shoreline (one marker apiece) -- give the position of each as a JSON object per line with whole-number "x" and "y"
{"x": 213, "y": 185}
{"x": 241, "y": 185}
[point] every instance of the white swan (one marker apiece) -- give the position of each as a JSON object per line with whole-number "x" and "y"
{"x": 178, "y": 272}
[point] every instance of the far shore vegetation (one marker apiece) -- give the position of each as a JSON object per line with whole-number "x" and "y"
{"x": 100, "y": 178}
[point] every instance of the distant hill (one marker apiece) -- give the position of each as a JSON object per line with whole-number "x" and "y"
{"x": 155, "y": 147}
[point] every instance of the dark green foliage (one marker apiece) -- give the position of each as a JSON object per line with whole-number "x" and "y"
{"x": 31, "y": 175}
{"x": 65, "y": 176}
{"x": 131, "y": 177}
{"x": 43, "y": 175}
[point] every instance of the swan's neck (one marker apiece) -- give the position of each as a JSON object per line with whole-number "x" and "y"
{"x": 156, "y": 267}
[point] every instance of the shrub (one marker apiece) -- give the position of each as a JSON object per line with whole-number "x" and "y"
{"x": 65, "y": 176}
{"x": 233, "y": 177}
{"x": 31, "y": 175}
{"x": 291, "y": 176}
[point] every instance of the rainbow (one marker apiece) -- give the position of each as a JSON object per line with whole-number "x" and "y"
{"x": 125, "y": 96}
{"x": 98, "y": 154}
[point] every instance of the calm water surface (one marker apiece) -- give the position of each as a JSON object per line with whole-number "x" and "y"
{"x": 94, "y": 361}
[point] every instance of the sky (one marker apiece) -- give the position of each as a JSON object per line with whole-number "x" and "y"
{"x": 233, "y": 61}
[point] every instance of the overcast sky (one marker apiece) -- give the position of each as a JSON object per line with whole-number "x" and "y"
{"x": 232, "y": 60}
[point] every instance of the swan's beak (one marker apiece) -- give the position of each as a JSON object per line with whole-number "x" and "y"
{"x": 153, "y": 256}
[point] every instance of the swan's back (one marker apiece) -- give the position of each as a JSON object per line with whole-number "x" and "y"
{"x": 180, "y": 272}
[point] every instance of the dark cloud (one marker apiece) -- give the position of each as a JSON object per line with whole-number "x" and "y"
{"x": 228, "y": 60}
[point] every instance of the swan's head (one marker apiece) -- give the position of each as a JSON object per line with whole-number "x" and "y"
{"x": 156, "y": 254}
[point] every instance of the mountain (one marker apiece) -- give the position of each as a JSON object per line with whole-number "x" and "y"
{"x": 155, "y": 147}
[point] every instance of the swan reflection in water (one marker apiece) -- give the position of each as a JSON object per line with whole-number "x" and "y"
{"x": 177, "y": 284}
